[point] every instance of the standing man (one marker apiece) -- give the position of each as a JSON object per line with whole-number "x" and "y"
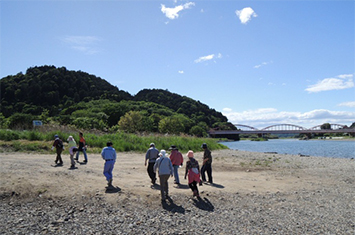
{"x": 177, "y": 160}
{"x": 109, "y": 155}
{"x": 58, "y": 145}
{"x": 206, "y": 164}
{"x": 151, "y": 156}
{"x": 165, "y": 168}
{"x": 82, "y": 148}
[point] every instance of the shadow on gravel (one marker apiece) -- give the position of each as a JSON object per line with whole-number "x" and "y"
{"x": 113, "y": 189}
{"x": 215, "y": 185}
{"x": 57, "y": 165}
{"x": 182, "y": 186}
{"x": 172, "y": 207}
{"x": 203, "y": 204}
{"x": 155, "y": 186}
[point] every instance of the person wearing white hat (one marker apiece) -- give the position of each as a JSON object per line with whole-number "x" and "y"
{"x": 72, "y": 150}
{"x": 165, "y": 169}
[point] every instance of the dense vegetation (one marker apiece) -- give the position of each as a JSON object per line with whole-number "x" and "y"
{"x": 76, "y": 98}
{"x": 41, "y": 141}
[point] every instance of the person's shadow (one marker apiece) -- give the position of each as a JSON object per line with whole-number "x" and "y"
{"x": 112, "y": 189}
{"x": 72, "y": 168}
{"x": 57, "y": 165}
{"x": 215, "y": 185}
{"x": 181, "y": 186}
{"x": 203, "y": 204}
{"x": 169, "y": 205}
{"x": 155, "y": 186}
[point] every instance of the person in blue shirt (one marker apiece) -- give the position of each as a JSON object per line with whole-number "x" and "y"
{"x": 109, "y": 155}
{"x": 165, "y": 168}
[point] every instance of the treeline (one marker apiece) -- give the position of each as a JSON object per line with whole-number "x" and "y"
{"x": 76, "y": 98}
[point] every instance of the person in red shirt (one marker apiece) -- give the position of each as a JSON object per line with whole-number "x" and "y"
{"x": 193, "y": 173}
{"x": 82, "y": 148}
{"x": 177, "y": 160}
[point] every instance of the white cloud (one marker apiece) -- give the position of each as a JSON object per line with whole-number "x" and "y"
{"x": 180, "y": 71}
{"x": 227, "y": 110}
{"x": 208, "y": 57}
{"x": 261, "y": 118}
{"x": 350, "y": 104}
{"x": 338, "y": 83}
{"x": 85, "y": 44}
{"x": 173, "y": 13}
{"x": 245, "y": 14}
{"x": 262, "y": 64}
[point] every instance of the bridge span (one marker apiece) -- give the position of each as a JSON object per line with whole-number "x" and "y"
{"x": 283, "y": 129}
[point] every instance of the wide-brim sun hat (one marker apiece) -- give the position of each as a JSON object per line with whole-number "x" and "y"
{"x": 190, "y": 154}
{"x": 172, "y": 147}
{"x": 162, "y": 153}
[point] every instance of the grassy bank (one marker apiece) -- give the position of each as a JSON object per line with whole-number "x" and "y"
{"x": 36, "y": 141}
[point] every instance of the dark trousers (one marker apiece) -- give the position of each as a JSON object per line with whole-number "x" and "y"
{"x": 164, "y": 187}
{"x": 151, "y": 173}
{"x": 207, "y": 167}
{"x": 193, "y": 187}
{"x": 59, "y": 156}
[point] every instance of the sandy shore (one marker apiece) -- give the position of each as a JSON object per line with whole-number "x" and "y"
{"x": 253, "y": 193}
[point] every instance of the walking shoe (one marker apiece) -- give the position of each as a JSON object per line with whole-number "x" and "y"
{"x": 85, "y": 161}
{"x": 109, "y": 183}
{"x": 200, "y": 183}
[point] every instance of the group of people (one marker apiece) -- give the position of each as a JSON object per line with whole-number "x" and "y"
{"x": 73, "y": 149}
{"x": 157, "y": 161}
{"x": 168, "y": 166}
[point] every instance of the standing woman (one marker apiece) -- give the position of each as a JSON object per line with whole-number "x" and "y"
{"x": 72, "y": 150}
{"x": 193, "y": 172}
{"x": 82, "y": 148}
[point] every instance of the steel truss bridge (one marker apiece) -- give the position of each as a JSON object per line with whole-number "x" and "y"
{"x": 283, "y": 129}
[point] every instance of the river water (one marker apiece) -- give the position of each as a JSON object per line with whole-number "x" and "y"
{"x": 319, "y": 148}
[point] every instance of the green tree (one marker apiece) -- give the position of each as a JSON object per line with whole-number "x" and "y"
{"x": 198, "y": 131}
{"x": 171, "y": 125}
{"x": 21, "y": 121}
{"x": 326, "y": 126}
{"x": 3, "y": 122}
{"x": 131, "y": 122}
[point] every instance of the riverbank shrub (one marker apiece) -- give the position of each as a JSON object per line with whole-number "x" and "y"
{"x": 123, "y": 142}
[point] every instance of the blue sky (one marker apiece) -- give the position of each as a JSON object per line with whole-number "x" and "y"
{"x": 258, "y": 62}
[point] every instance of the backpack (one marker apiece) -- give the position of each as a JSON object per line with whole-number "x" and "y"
{"x": 60, "y": 144}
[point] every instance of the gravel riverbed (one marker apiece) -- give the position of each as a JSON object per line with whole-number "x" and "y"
{"x": 323, "y": 203}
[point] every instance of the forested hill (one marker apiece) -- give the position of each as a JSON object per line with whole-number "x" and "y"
{"x": 77, "y": 98}
{"x": 180, "y": 104}
{"x": 53, "y": 88}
